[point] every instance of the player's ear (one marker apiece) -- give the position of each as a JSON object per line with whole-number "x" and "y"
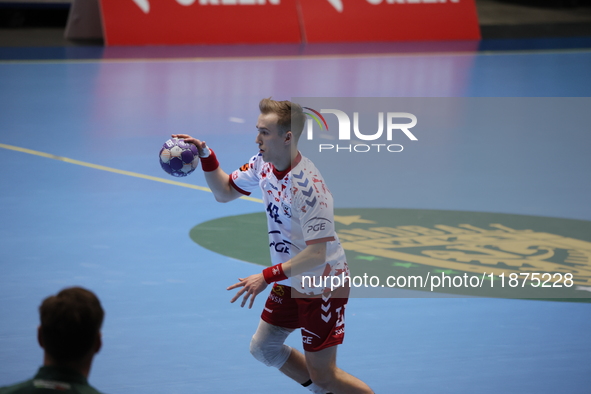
{"x": 40, "y": 337}
{"x": 288, "y": 136}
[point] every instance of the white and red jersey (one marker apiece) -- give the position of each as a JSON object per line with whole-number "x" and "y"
{"x": 300, "y": 212}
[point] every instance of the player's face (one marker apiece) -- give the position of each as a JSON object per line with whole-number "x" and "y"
{"x": 272, "y": 144}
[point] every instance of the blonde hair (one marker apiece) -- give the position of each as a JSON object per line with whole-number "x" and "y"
{"x": 290, "y": 115}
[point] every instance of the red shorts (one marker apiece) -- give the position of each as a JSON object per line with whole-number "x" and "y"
{"x": 322, "y": 319}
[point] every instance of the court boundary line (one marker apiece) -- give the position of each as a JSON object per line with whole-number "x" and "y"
{"x": 114, "y": 170}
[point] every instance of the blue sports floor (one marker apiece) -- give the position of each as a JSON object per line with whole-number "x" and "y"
{"x": 169, "y": 325}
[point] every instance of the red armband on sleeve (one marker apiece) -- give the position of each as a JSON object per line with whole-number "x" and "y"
{"x": 274, "y": 274}
{"x": 209, "y": 163}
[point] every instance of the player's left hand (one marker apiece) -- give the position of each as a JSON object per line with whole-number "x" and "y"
{"x": 251, "y": 287}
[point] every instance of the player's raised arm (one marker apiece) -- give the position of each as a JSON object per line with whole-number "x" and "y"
{"x": 217, "y": 180}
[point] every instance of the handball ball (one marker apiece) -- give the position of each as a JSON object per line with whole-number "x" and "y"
{"x": 178, "y": 158}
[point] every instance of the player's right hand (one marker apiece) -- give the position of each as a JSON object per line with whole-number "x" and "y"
{"x": 250, "y": 287}
{"x": 201, "y": 145}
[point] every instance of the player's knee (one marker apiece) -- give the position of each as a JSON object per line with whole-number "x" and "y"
{"x": 256, "y": 349}
{"x": 272, "y": 355}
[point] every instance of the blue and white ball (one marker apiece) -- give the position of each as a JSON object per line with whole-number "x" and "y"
{"x": 179, "y": 158}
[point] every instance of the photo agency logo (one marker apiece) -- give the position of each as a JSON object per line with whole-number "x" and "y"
{"x": 355, "y": 138}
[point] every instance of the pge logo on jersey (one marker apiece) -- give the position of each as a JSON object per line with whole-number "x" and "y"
{"x": 396, "y": 124}
{"x": 316, "y": 224}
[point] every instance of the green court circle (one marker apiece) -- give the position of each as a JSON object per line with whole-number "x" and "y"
{"x": 446, "y": 244}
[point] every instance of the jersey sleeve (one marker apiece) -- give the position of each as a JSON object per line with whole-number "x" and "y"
{"x": 315, "y": 208}
{"x": 246, "y": 178}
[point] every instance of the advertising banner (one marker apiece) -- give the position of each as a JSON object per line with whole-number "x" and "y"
{"x": 178, "y": 22}
{"x": 189, "y": 22}
{"x": 389, "y": 20}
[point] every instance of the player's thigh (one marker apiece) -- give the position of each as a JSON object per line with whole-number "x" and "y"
{"x": 322, "y": 322}
{"x": 280, "y": 309}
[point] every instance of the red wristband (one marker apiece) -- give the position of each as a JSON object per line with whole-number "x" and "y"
{"x": 274, "y": 274}
{"x": 209, "y": 163}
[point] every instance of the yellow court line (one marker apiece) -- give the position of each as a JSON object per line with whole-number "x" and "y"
{"x": 114, "y": 170}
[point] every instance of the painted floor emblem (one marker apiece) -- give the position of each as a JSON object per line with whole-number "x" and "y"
{"x": 515, "y": 256}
